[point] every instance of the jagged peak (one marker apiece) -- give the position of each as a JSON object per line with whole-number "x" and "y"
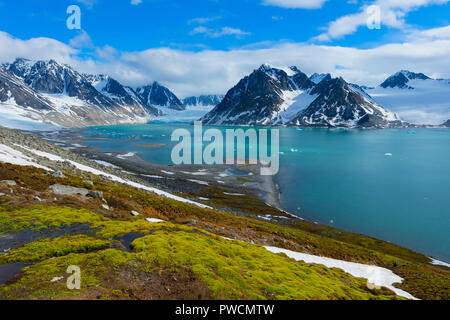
{"x": 265, "y": 67}
{"x": 317, "y": 78}
{"x": 412, "y": 75}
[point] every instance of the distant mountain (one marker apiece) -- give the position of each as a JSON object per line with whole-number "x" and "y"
{"x": 158, "y": 95}
{"x": 271, "y": 96}
{"x": 122, "y": 95}
{"x": 447, "y": 124}
{"x": 203, "y": 100}
{"x": 415, "y": 97}
{"x": 50, "y": 92}
{"x": 259, "y": 98}
{"x": 338, "y": 104}
{"x": 402, "y": 78}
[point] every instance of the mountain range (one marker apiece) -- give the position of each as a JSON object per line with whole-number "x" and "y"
{"x": 50, "y": 92}
{"x": 271, "y": 96}
{"x": 54, "y": 93}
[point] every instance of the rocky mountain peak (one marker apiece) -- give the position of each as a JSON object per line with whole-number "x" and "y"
{"x": 317, "y": 78}
{"x": 158, "y": 95}
{"x": 402, "y": 78}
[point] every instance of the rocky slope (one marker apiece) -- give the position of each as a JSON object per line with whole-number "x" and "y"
{"x": 271, "y": 96}
{"x": 259, "y": 98}
{"x": 158, "y": 95}
{"x": 340, "y": 105}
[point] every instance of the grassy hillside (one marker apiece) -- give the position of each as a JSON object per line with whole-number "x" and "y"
{"x": 126, "y": 257}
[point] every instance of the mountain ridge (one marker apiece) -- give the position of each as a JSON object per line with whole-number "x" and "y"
{"x": 269, "y": 96}
{"x": 57, "y": 94}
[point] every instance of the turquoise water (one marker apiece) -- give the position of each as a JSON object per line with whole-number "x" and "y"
{"x": 390, "y": 184}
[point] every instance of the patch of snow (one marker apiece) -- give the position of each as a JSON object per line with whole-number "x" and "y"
{"x": 200, "y": 182}
{"x": 153, "y": 220}
{"x": 127, "y": 155}
{"x": 10, "y": 155}
{"x": 106, "y": 164}
{"x": 375, "y": 275}
{"x": 439, "y": 263}
{"x": 83, "y": 167}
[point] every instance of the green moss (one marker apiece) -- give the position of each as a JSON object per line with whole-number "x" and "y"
{"x": 96, "y": 268}
{"x": 48, "y": 248}
{"x": 43, "y": 217}
{"x": 237, "y": 270}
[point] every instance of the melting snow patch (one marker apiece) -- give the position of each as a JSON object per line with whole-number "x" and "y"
{"x": 127, "y": 155}
{"x": 153, "y": 220}
{"x": 83, "y": 167}
{"x": 439, "y": 263}
{"x": 10, "y": 155}
{"x": 375, "y": 275}
{"x": 200, "y": 182}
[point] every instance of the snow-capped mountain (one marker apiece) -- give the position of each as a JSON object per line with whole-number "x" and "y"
{"x": 259, "y": 98}
{"x": 402, "y": 78}
{"x": 53, "y": 93}
{"x": 339, "y": 104}
{"x": 203, "y": 100}
{"x": 122, "y": 95}
{"x": 158, "y": 95}
{"x": 415, "y": 97}
{"x": 271, "y": 96}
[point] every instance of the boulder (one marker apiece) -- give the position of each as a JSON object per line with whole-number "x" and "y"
{"x": 10, "y": 183}
{"x": 68, "y": 190}
{"x": 58, "y": 174}
{"x": 134, "y": 213}
{"x": 96, "y": 195}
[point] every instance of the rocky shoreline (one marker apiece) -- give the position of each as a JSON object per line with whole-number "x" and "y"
{"x": 245, "y": 179}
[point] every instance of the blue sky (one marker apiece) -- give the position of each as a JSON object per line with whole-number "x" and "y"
{"x": 138, "y": 36}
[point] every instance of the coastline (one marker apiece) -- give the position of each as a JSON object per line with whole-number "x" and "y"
{"x": 190, "y": 180}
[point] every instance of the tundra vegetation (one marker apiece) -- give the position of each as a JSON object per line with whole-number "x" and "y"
{"x": 122, "y": 256}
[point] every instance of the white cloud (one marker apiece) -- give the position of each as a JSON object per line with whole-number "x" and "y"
{"x": 393, "y": 13}
{"x": 297, "y": 4}
{"x": 82, "y": 40}
{"x": 36, "y": 48}
{"x": 136, "y": 2}
{"x": 215, "y": 71}
{"x": 202, "y": 20}
{"x": 225, "y": 31}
